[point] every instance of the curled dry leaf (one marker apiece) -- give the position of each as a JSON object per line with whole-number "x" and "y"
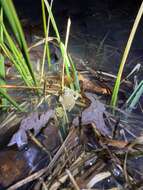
{"x": 93, "y": 114}
{"x": 35, "y": 122}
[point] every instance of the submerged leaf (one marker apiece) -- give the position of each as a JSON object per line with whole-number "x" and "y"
{"x": 31, "y": 122}
{"x": 93, "y": 114}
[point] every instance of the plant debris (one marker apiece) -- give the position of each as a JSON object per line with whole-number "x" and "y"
{"x": 93, "y": 114}
{"x": 70, "y": 137}
{"x": 35, "y": 122}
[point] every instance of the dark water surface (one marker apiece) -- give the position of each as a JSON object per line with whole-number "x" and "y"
{"x": 99, "y": 29}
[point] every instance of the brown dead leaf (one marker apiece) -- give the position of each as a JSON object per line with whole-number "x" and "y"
{"x": 35, "y": 122}
{"x": 88, "y": 85}
{"x": 93, "y": 114}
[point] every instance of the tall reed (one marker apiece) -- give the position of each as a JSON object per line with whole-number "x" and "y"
{"x": 125, "y": 55}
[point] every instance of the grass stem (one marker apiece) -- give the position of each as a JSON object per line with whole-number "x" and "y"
{"x": 125, "y": 55}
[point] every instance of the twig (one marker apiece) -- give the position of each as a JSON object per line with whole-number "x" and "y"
{"x": 72, "y": 180}
{"x": 46, "y": 169}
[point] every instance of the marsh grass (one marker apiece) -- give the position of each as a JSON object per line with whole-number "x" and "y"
{"x": 15, "y": 24}
{"x": 125, "y": 55}
{"x": 62, "y": 46}
{"x": 46, "y": 27}
{"x": 10, "y": 100}
{"x": 16, "y": 57}
{"x": 2, "y": 66}
{"x": 18, "y": 52}
{"x": 134, "y": 97}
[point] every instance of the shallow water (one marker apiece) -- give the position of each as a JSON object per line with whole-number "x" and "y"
{"x": 99, "y": 30}
{"x": 98, "y": 37}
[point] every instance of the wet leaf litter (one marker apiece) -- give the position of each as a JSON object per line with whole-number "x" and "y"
{"x": 89, "y": 143}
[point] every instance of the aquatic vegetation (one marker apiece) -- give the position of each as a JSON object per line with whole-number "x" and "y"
{"x": 18, "y": 52}
{"x": 21, "y": 54}
{"x": 64, "y": 134}
{"x": 134, "y": 98}
{"x": 2, "y": 66}
{"x": 124, "y": 58}
{"x": 46, "y": 27}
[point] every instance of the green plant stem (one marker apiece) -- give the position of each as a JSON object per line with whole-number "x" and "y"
{"x": 15, "y": 55}
{"x": 46, "y": 26}
{"x": 2, "y": 66}
{"x": 134, "y": 97}
{"x": 8, "y": 98}
{"x": 13, "y": 19}
{"x": 125, "y": 55}
{"x": 61, "y": 45}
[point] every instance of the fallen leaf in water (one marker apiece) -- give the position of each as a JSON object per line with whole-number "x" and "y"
{"x": 93, "y": 87}
{"x": 35, "y": 122}
{"x": 93, "y": 114}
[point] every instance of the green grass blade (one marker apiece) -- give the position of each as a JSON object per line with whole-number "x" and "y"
{"x": 125, "y": 55}
{"x": 135, "y": 96}
{"x": 75, "y": 73}
{"x": 2, "y": 79}
{"x": 46, "y": 27}
{"x": 14, "y": 61}
{"x": 61, "y": 45}
{"x": 52, "y": 20}
{"x": 16, "y": 57}
{"x": 12, "y": 17}
{"x": 66, "y": 63}
{"x": 2, "y": 66}
{"x": 44, "y": 17}
{"x": 9, "y": 99}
